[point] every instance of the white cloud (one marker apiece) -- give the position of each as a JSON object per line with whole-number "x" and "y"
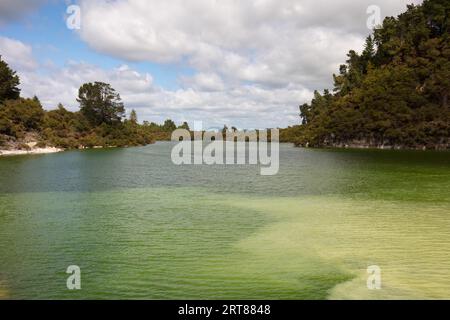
{"x": 244, "y": 106}
{"x": 254, "y": 61}
{"x": 18, "y": 54}
{"x": 204, "y": 82}
{"x": 268, "y": 42}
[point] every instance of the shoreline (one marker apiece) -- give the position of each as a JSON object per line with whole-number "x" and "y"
{"x": 36, "y": 151}
{"x": 51, "y": 150}
{"x": 356, "y": 146}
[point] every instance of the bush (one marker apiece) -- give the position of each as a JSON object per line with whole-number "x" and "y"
{"x": 20, "y": 116}
{"x": 41, "y": 144}
{"x": 24, "y": 146}
{"x": 97, "y": 124}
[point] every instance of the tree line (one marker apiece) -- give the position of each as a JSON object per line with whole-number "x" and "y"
{"x": 100, "y": 122}
{"x": 395, "y": 93}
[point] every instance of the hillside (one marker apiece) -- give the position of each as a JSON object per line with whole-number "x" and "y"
{"x": 100, "y": 122}
{"x": 395, "y": 94}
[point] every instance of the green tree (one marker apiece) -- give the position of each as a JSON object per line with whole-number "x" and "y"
{"x": 185, "y": 126}
{"x": 169, "y": 126}
{"x": 133, "y": 117}
{"x": 100, "y": 103}
{"x": 20, "y": 116}
{"x": 225, "y": 129}
{"x": 368, "y": 54}
{"x": 395, "y": 93}
{"x": 9, "y": 83}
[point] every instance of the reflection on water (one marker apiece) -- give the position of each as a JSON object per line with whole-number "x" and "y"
{"x": 142, "y": 228}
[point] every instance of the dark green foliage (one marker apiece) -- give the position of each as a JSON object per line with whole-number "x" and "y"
{"x": 63, "y": 128}
{"x": 133, "y": 117}
{"x": 184, "y": 126}
{"x": 20, "y": 116}
{"x": 100, "y": 103}
{"x": 9, "y": 83}
{"x": 162, "y": 132}
{"x": 395, "y": 93}
{"x": 72, "y": 130}
{"x": 97, "y": 124}
{"x": 169, "y": 126}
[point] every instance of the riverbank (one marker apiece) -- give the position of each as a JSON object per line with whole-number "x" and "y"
{"x": 364, "y": 144}
{"x": 50, "y": 150}
{"x": 17, "y": 152}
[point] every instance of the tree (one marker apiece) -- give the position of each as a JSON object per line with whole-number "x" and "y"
{"x": 169, "y": 126}
{"x": 9, "y": 83}
{"x": 20, "y": 116}
{"x": 369, "y": 49}
{"x": 395, "y": 93}
{"x": 368, "y": 53}
{"x": 133, "y": 117}
{"x": 184, "y": 126}
{"x": 100, "y": 103}
{"x": 225, "y": 129}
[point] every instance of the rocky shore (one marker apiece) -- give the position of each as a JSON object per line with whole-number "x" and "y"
{"x": 370, "y": 144}
{"x": 17, "y": 152}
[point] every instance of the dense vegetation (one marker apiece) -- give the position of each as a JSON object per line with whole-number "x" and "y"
{"x": 395, "y": 93}
{"x": 100, "y": 122}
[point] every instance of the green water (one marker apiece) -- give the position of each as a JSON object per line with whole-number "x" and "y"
{"x": 142, "y": 228}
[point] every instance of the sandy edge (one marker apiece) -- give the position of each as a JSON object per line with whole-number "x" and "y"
{"x": 32, "y": 151}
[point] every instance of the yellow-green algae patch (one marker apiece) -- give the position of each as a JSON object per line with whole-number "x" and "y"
{"x": 322, "y": 237}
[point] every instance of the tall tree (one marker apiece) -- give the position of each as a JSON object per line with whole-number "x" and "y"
{"x": 9, "y": 82}
{"x": 169, "y": 126}
{"x": 368, "y": 53}
{"x": 185, "y": 126}
{"x": 133, "y": 117}
{"x": 100, "y": 103}
{"x": 225, "y": 129}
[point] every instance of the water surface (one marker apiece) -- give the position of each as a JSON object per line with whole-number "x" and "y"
{"x": 141, "y": 228}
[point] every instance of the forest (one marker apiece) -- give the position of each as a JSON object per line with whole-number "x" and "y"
{"x": 395, "y": 94}
{"x": 100, "y": 121}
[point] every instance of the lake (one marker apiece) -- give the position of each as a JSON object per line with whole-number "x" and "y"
{"x": 140, "y": 227}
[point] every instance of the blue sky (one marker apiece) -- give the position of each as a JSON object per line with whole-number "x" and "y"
{"x": 45, "y": 30}
{"x": 248, "y": 64}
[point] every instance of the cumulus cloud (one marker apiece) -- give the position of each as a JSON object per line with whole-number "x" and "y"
{"x": 268, "y": 42}
{"x": 253, "y": 61}
{"x": 244, "y": 105}
{"x": 18, "y": 54}
{"x": 11, "y": 10}
{"x": 204, "y": 82}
